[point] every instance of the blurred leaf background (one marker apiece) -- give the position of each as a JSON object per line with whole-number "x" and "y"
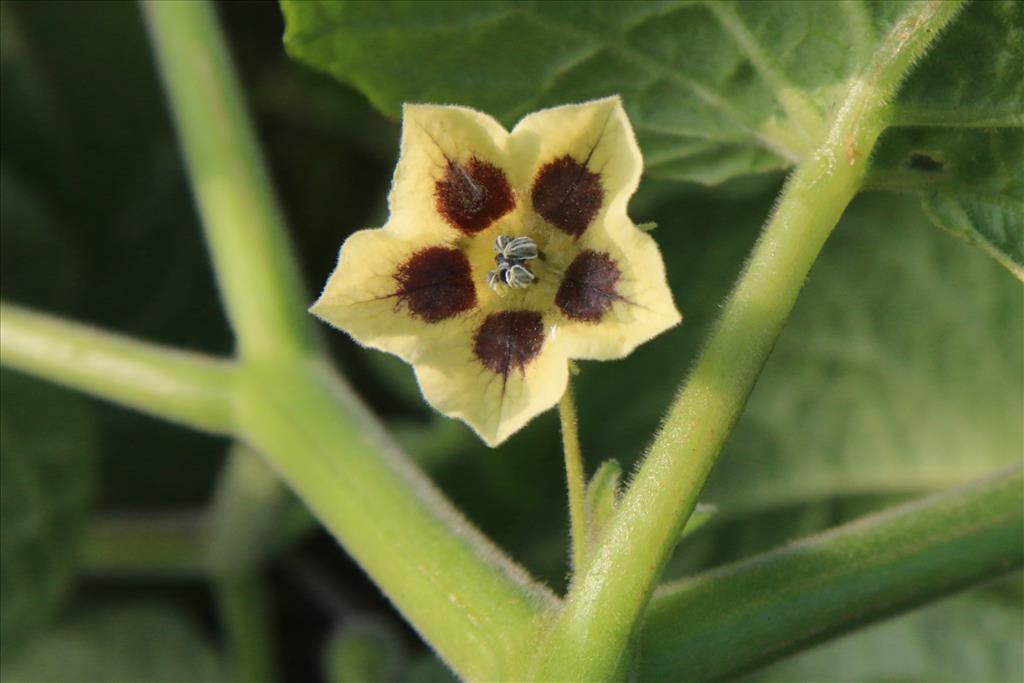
{"x": 900, "y": 373}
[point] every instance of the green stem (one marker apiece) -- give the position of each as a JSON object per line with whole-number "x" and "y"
{"x": 474, "y": 605}
{"x": 183, "y": 387}
{"x": 245, "y": 517}
{"x": 593, "y": 635}
{"x": 260, "y": 283}
{"x": 574, "y": 476}
{"x": 477, "y": 608}
{"x": 724, "y": 623}
{"x": 242, "y": 602}
{"x": 145, "y": 545}
{"x": 179, "y": 543}
{"x": 244, "y": 523}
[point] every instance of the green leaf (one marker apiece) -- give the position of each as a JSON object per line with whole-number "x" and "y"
{"x": 970, "y": 182}
{"x": 363, "y": 650}
{"x": 900, "y": 372}
{"x": 961, "y": 136}
{"x": 701, "y": 515}
{"x": 46, "y": 449}
{"x": 997, "y": 228}
{"x": 142, "y": 644}
{"x": 714, "y": 90}
{"x": 602, "y": 497}
{"x": 967, "y": 638}
{"x": 974, "y": 76}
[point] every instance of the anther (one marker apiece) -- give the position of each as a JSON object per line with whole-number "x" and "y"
{"x": 511, "y": 254}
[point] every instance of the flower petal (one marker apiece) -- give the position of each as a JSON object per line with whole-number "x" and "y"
{"x": 450, "y": 177}
{"x": 498, "y": 378}
{"x": 399, "y": 294}
{"x": 613, "y": 296}
{"x": 582, "y": 161}
{"x": 418, "y": 287}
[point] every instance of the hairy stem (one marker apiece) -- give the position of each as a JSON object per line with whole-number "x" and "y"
{"x": 723, "y": 623}
{"x": 599, "y": 622}
{"x": 468, "y": 600}
{"x": 474, "y": 605}
{"x": 191, "y": 389}
{"x": 260, "y": 283}
{"x": 574, "y": 476}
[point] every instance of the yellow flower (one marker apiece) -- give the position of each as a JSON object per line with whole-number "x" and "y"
{"x": 489, "y": 324}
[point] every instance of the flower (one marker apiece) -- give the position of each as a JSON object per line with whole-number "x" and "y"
{"x": 489, "y": 321}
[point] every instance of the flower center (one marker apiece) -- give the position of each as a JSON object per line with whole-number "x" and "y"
{"x": 511, "y": 255}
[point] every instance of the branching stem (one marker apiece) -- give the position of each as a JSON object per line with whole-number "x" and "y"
{"x": 720, "y": 624}
{"x": 479, "y": 610}
{"x": 253, "y": 258}
{"x": 187, "y": 388}
{"x": 598, "y": 626}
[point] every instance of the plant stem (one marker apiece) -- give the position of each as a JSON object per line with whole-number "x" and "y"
{"x": 242, "y": 602}
{"x": 244, "y": 519}
{"x": 262, "y": 289}
{"x": 574, "y": 476}
{"x": 593, "y": 635}
{"x": 145, "y": 545}
{"x": 728, "y": 621}
{"x": 246, "y": 513}
{"x": 473, "y": 604}
{"x": 181, "y": 543}
{"x": 477, "y": 608}
{"x": 183, "y": 387}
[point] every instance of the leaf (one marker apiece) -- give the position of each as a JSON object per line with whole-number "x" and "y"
{"x": 974, "y": 75}
{"x": 701, "y": 515}
{"x": 899, "y": 372}
{"x": 997, "y": 228}
{"x": 714, "y": 90}
{"x": 601, "y": 500}
{"x": 969, "y": 180}
{"x": 961, "y": 135}
{"x": 140, "y": 643}
{"x": 46, "y": 474}
{"x": 966, "y": 638}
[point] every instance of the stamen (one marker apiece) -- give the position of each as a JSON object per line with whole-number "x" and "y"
{"x": 511, "y": 255}
{"x": 519, "y": 277}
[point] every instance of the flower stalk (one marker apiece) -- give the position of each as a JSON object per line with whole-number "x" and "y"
{"x": 574, "y": 476}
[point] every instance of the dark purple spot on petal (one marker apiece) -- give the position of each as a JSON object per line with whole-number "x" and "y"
{"x": 588, "y": 287}
{"x": 474, "y": 195}
{"x": 436, "y": 283}
{"x": 567, "y": 195}
{"x": 509, "y": 340}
